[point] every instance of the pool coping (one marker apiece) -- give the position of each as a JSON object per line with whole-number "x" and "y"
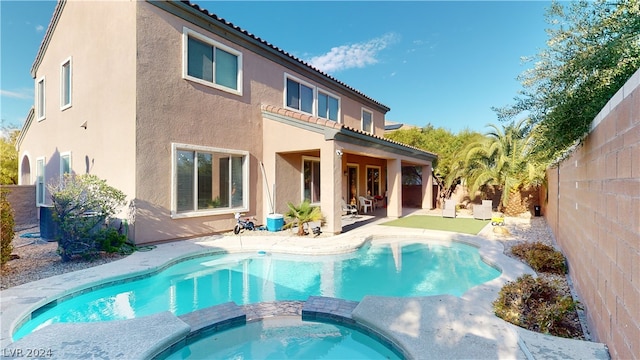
{"x": 17, "y": 303}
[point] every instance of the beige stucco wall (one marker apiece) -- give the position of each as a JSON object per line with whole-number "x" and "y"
{"x": 171, "y": 109}
{"x": 174, "y": 110}
{"x": 594, "y": 212}
{"x": 128, "y": 88}
{"x": 103, "y": 95}
{"x": 283, "y": 161}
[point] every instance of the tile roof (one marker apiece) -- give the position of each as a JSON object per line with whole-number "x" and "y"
{"x": 332, "y": 125}
{"x": 279, "y": 50}
{"x": 47, "y": 36}
{"x": 212, "y": 17}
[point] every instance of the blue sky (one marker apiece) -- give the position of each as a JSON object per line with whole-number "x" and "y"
{"x": 444, "y": 63}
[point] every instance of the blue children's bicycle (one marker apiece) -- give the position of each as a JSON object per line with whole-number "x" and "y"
{"x": 241, "y": 224}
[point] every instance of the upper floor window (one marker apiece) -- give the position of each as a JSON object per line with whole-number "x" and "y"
{"x": 328, "y": 106}
{"x": 299, "y": 96}
{"x": 211, "y": 63}
{"x": 208, "y": 180}
{"x": 367, "y": 121}
{"x": 305, "y": 97}
{"x": 65, "y": 84}
{"x": 40, "y": 99}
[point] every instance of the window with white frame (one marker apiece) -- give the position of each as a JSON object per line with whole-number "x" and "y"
{"x": 311, "y": 179}
{"x": 65, "y": 164}
{"x": 328, "y": 106}
{"x": 40, "y": 99}
{"x": 367, "y": 121}
{"x": 211, "y": 63}
{"x": 302, "y": 96}
{"x": 299, "y": 96}
{"x": 209, "y": 179}
{"x": 40, "y": 181}
{"x": 65, "y": 84}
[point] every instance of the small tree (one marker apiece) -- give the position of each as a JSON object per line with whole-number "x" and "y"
{"x": 9, "y": 156}
{"x": 593, "y": 48}
{"x": 303, "y": 214}
{"x": 504, "y": 159}
{"x": 82, "y": 205}
{"x": 6, "y": 228}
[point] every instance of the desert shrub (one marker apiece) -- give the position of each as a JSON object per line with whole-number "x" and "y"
{"x": 110, "y": 240}
{"x": 541, "y": 257}
{"x": 537, "y": 305}
{"x": 82, "y": 205}
{"x": 6, "y": 228}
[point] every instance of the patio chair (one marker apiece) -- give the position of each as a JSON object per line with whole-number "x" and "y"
{"x": 449, "y": 208}
{"x": 373, "y": 200}
{"x": 349, "y": 209}
{"x": 365, "y": 203}
{"x": 483, "y": 212}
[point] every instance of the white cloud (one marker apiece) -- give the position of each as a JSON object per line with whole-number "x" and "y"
{"x": 352, "y": 55}
{"x": 39, "y": 28}
{"x": 24, "y": 94}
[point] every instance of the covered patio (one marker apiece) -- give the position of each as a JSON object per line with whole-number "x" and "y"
{"x": 327, "y": 163}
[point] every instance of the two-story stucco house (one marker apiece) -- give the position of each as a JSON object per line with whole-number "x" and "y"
{"x": 196, "y": 119}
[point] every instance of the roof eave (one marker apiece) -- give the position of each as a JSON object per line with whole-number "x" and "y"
{"x": 335, "y": 131}
{"x": 25, "y": 127}
{"x": 228, "y": 30}
{"x": 355, "y": 137}
{"x": 47, "y": 37}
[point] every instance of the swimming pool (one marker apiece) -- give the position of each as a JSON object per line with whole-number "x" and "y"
{"x": 393, "y": 269}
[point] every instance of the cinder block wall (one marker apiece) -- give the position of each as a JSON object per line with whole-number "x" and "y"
{"x": 594, "y": 212}
{"x": 23, "y": 202}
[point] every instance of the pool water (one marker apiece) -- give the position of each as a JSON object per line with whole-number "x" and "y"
{"x": 286, "y": 338}
{"x": 412, "y": 269}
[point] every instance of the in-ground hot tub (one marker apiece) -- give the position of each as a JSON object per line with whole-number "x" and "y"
{"x": 286, "y": 338}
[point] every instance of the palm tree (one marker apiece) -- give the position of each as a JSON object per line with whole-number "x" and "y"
{"x": 504, "y": 159}
{"x": 305, "y": 213}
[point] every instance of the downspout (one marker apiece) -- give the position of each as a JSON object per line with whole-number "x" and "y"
{"x": 266, "y": 183}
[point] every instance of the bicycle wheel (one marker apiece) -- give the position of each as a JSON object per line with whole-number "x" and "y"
{"x": 236, "y": 229}
{"x": 250, "y": 226}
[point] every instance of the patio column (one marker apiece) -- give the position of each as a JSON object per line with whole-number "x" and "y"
{"x": 427, "y": 187}
{"x": 394, "y": 188}
{"x": 330, "y": 187}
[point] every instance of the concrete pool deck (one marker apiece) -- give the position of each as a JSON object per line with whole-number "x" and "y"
{"x": 423, "y": 327}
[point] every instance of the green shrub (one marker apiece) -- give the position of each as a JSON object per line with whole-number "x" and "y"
{"x": 536, "y": 305}
{"x": 6, "y": 229}
{"x": 541, "y": 257}
{"x": 110, "y": 240}
{"x": 82, "y": 205}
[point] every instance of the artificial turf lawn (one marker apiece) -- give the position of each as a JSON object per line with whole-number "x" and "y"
{"x": 460, "y": 225}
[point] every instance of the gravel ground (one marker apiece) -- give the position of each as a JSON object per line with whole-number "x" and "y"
{"x": 38, "y": 258}
{"x": 535, "y": 229}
